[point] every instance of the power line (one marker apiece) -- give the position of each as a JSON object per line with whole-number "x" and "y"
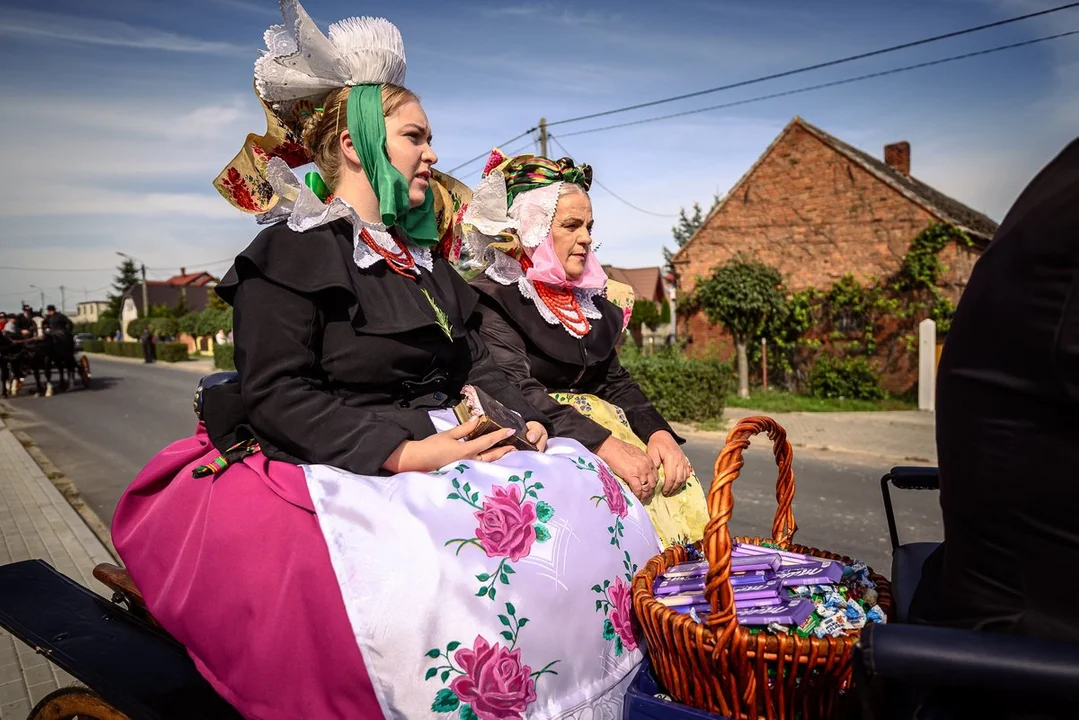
{"x": 615, "y": 195}
{"x": 25, "y": 269}
{"x": 818, "y": 66}
{"x": 486, "y": 153}
{"x": 821, "y": 86}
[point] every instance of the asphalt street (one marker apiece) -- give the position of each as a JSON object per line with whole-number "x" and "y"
{"x": 101, "y": 438}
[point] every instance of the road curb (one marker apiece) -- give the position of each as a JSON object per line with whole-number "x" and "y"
{"x": 63, "y": 484}
{"x": 720, "y": 438}
{"x": 191, "y": 366}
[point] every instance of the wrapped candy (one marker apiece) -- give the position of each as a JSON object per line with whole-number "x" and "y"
{"x": 875, "y": 614}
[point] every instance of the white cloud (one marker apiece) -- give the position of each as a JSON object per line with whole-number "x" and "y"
{"x": 108, "y": 139}
{"x": 70, "y": 29}
{"x": 85, "y": 201}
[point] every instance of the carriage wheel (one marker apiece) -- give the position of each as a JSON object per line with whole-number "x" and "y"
{"x": 74, "y": 702}
{"x": 84, "y": 371}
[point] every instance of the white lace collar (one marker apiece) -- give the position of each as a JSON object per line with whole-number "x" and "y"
{"x": 504, "y": 270}
{"x": 304, "y": 211}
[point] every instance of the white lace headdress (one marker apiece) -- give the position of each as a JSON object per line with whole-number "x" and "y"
{"x": 499, "y": 232}
{"x": 300, "y": 63}
{"x": 298, "y": 69}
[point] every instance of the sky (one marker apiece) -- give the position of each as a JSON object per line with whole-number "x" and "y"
{"x": 118, "y": 114}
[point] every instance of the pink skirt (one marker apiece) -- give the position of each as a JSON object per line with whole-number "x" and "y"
{"x": 235, "y": 567}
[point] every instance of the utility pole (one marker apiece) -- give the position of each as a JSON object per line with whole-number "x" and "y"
{"x": 543, "y": 137}
{"x": 63, "y": 305}
{"x": 145, "y": 293}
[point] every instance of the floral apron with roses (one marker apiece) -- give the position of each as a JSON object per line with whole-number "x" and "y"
{"x": 490, "y": 590}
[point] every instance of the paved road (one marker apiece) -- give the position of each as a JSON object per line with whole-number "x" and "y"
{"x": 101, "y": 439}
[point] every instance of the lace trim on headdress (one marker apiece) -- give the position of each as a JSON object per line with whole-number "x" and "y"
{"x": 535, "y": 211}
{"x": 304, "y": 211}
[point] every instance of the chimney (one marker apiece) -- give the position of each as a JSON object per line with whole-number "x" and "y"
{"x": 897, "y": 156}
{"x": 183, "y": 270}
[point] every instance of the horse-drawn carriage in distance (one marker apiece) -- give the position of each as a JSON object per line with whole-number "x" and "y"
{"x": 40, "y": 356}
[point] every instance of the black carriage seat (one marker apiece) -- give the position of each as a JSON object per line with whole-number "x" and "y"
{"x": 137, "y": 668}
{"x": 907, "y": 560}
{"x": 213, "y": 380}
{"x": 954, "y": 674}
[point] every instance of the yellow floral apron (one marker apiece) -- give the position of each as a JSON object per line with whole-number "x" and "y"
{"x": 679, "y": 518}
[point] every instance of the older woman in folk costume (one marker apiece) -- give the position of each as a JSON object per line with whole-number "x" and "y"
{"x": 549, "y": 324}
{"x": 328, "y": 545}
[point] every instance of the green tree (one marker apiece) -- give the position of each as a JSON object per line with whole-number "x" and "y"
{"x": 214, "y": 301}
{"x": 180, "y": 308}
{"x": 744, "y": 296}
{"x": 127, "y": 277}
{"x": 684, "y": 230}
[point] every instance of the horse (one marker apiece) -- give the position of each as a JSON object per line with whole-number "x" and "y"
{"x": 40, "y": 356}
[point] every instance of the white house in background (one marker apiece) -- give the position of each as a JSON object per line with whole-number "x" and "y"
{"x": 89, "y": 311}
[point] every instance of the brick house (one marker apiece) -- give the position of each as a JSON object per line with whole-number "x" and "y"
{"x": 817, "y": 209}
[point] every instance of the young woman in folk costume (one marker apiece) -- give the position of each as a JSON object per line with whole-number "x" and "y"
{"x": 327, "y": 545}
{"x": 548, "y": 324}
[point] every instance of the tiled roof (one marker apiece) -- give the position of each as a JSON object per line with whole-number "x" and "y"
{"x": 646, "y": 282}
{"x": 955, "y": 212}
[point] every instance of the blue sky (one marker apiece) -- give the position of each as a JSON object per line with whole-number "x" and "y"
{"x": 118, "y": 114}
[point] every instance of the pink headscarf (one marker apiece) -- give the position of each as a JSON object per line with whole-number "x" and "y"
{"x": 534, "y": 210}
{"x": 547, "y": 268}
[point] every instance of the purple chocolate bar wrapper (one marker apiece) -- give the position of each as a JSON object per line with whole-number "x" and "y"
{"x": 754, "y": 577}
{"x": 768, "y": 585}
{"x": 790, "y": 612}
{"x": 825, "y": 573}
{"x": 684, "y": 570}
{"x": 674, "y": 586}
{"x": 682, "y": 600}
{"x": 756, "y": 562}
{"x": 689, "y": 599}
{"x": 788, "y": 559}
{"x": 764, "y": 592}
{"x": 741, "y": 601}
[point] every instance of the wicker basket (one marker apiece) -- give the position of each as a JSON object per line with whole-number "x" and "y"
{"x": 719, "y": 665}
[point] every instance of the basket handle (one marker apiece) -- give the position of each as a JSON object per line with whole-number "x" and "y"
{"x": 717, "y": 538}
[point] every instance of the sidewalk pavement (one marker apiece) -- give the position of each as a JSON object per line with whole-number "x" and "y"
{"x": 897, "y": 437}
{"x": 201, "y": 365}
{"x": 37, "y": 522}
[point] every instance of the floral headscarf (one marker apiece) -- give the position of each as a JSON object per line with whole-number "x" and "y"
{"x": 510, "y": 218}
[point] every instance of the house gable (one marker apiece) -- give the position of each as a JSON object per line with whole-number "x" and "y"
{"x": 814, "y": 212}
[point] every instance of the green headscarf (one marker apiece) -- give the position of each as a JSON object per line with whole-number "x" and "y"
{"x": 367, "y": 128}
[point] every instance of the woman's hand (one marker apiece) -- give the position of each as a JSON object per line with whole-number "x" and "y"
{"x": 537, "y": 435}
{"x": 665, "y": 453}
{"x": 448, "y": 446}
{"x": 630, "y": 464}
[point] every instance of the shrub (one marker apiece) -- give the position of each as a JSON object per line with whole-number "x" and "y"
{"x": 211, "y": 320}
{"x": 166, "y": 352}
{"x": 223, "y": 357}
{"x": 106, "y": 327}
{"x": 680, "y": 388}
{"x": 854, "y": 378}
{"x": 189, "y": 323}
